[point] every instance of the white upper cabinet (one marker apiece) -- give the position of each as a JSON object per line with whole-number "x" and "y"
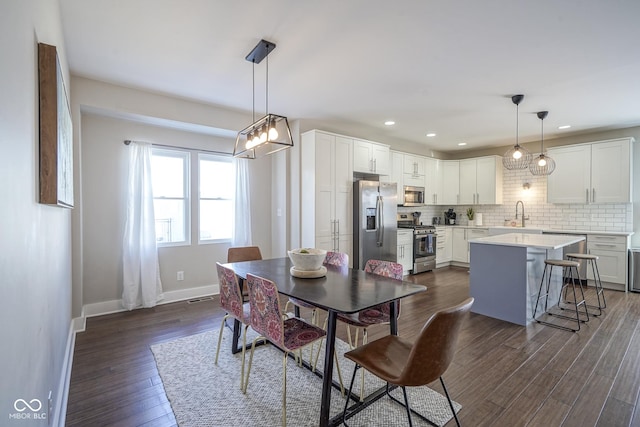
{"x": 431, "y": 180}
{"x": 449, "y": 182}
{"x": 414, "y": 170}
{"x": 598, "y": 172}
{"x": 370, "y": 157}
{"x": 481, "y": 181}
{"x": 396, "y": 174}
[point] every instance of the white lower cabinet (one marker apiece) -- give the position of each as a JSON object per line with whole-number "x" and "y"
{"x": 405, "y": 250}
{"x": 443, "y": 245}
{"x": 612, "y": 259}
{"x": 459, "y": 252}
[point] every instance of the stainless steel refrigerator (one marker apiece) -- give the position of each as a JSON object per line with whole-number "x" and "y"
{"x": 374, "y": 223}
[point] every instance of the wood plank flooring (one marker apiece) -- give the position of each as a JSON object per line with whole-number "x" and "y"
{"x": 502, "y": 374}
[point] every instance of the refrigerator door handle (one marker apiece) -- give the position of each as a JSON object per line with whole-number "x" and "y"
{"x": 380, "y": 221}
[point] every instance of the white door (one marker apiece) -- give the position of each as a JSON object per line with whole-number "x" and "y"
{"x": 343, "y": 178}
{"x": 362, "y": 156}
{"x": 450, "y": 182}
{"x": 396, "y": 174}
{"x": 380, "y": 155}
{"x": 431, "y": 180}
{"x": 486, "y": 189}
{"x": 467, "y": 182}
{"x": 325, "y": 184}
{"x": 610, "y": 172}
{"x": 571, "y": 180}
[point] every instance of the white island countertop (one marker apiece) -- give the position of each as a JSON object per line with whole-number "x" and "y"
{"x": 542, "y": 241}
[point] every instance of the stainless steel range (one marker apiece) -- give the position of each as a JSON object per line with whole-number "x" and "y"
{"x": 424, "y": 242}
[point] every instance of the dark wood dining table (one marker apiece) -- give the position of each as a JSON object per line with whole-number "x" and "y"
{"x": 342, "y": 290}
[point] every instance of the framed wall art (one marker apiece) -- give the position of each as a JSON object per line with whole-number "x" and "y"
{"x": 56, "y": 132}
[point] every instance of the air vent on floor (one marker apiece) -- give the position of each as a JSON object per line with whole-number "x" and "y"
{"x": 192, "y": 301}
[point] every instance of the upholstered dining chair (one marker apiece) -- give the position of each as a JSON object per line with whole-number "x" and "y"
{"x": 378, "y": 315}
{"x": 244, "y": 253}
{"x": 337, "y": 259}
{"x": 231, "y": 301}
{"x": 414, "y": 364}
{"x": 287, "y": 333}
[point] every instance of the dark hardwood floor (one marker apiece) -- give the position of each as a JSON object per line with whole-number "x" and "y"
{"x": 502, "y": 374}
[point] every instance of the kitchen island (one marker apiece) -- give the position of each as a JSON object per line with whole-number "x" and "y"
{"x": 505, "y": 273}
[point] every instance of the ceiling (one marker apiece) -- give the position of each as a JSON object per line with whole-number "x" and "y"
{"x": 448, "y": 67}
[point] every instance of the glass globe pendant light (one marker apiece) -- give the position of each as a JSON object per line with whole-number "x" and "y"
{"x": 516, "y": 157}
{"x": 543, "y": 164}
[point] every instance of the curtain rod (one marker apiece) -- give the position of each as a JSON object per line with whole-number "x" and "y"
{"x": 221, "y": 153}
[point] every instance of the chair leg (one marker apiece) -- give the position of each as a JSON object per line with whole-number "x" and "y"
{"x": 335, "y": 356}
{"x": 284, "y": 390}
{"x": 346, "y": 402}
{"x": 364, "y": 341}
{"x": 406, "y": 402}
{"x": 220, "y": 340}
{"x": 253, "y": 347}
{"x": 244, "y": 347}
{"x": 324, "y": 326}
{"x": 286, "y": 306}
{"x": 450, "y": 402}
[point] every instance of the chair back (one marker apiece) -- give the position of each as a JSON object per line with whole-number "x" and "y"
{"x": 339, "y": 259}
{"x": 266, "y": 314}
{"x": 433, "y": 350}
{"x": 230, "y": 294}
{"x": 384, "y": 268}
{"x": 244, "y": 253}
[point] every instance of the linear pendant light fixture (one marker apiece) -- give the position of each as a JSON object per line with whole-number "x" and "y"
{"x": 269, "y": 134}
{"x": 516, "y": 157}
{"x": 543, "y": 164}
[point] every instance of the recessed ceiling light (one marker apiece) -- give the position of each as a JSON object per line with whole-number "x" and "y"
{"x": 462, "y": 144}
{"x": 564, "y": 127}
{"x": 431, "y": 135}
{"x": 389, "y": 123}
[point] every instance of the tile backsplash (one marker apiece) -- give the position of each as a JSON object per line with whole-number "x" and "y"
{"x": 596, "y": 217}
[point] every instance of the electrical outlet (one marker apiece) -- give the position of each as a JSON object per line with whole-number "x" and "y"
{"x": 180, "y": 275}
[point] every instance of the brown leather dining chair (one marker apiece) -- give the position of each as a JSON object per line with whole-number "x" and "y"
{"x": 403, "y": 363}
{"x": 244, "y": 253}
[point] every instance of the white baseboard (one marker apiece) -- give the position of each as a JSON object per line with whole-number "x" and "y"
{"x": 60, "y": 399}
{"x": 115, "y": 306}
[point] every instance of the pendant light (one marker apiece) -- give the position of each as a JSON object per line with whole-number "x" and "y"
{"x": 543, "y": 164}
{"x": 271, "y": 133}
{"x": 516, "y": 157}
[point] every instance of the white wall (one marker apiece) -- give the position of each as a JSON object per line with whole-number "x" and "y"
{"x": 105, "y": 163}
{"x": 35, "y": 239}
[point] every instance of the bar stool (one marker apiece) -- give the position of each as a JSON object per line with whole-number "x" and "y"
{"x": 591, "y": 259}
{"x": 572, "y": 267}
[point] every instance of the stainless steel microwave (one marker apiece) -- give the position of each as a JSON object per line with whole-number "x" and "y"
{"x": 413, "y": 196}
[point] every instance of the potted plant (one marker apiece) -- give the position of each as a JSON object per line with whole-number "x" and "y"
{"x": 470, "y": 215}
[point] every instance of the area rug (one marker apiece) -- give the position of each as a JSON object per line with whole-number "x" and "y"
{"x": 204, "y": 394}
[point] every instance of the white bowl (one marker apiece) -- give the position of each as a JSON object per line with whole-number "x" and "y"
{"x": 307, "y": 259}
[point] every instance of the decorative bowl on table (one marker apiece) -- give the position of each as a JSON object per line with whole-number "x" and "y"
{"x": 307, "y": 262}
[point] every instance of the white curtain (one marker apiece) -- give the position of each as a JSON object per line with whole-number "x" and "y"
{"x": 141, "y": 271}
{"x": 242, "y": 208}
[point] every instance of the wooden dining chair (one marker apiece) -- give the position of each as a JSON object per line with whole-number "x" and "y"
{"x": 287, "y": 333}
{"x": 413, "y": 364}
{"x": 231, "y": 301}
{"x": 377, "y": 315}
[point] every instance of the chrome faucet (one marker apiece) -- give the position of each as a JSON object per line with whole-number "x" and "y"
{"x": 523, "y": 217}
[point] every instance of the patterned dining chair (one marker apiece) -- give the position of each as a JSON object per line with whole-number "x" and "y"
{"x": 231, "y": 301}
{"x": 377, "y": 315}
{"x": 287, "y": 333}
{"x": 336, "y": 259}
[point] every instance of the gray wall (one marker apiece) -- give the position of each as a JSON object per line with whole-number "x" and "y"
{"x": 35, "y": 248}
{"x": 105, "y": 163}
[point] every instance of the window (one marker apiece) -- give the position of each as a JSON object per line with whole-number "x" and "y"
{"x": 170, "y": 176}
{"x": 217, "y": 189}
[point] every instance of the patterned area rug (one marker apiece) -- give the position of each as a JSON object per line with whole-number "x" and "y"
{"x": 204, "y": 394}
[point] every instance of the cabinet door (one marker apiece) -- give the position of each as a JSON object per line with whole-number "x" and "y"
{"x": 414, "y": 165}
{"x": 467, "y": 182}
{"x": 448, "y": 247}
{"x": 345, "y": 245}
{"x": 571, "y": 180}
{"x": 460, "y": 251}
{"x": 612, "y": 266}
{"x": 488, "y": 181}
{"x": 380, "y": 155}
{"x": 474, "y": 233}
{"x": 450, "y": 183}
{"x": 343, "y": 178}
{"x": 611, "y": 172}
{"x": 431, "y": 181}
{"x": 396, "y": 174}
{"x": 362, "y": 159}
{"x": 325, "y": 184}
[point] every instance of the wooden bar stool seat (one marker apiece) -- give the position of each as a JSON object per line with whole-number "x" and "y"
{"x": 592, "y": 259}
{"x": 571, "y": 268}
